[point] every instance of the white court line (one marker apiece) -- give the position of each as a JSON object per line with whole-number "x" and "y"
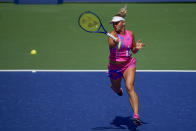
{"x": 31, "y": 70}
{"x": 166, "y": 70}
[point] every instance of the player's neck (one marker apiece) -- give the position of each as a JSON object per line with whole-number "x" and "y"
{"x": 122, "y": 31}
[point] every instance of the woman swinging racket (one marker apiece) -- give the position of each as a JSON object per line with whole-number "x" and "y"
{"x": 121, "y": 63}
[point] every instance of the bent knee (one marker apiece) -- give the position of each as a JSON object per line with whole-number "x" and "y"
{"x": 130, "y": 88}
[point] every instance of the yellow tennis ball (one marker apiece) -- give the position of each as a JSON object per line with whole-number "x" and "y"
{"x": 33, "y": 52}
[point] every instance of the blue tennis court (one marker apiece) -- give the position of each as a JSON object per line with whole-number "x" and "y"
{"x": 83, "y": 101}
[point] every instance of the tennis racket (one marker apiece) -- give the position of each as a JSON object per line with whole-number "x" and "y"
{"x": 90, "y": 22}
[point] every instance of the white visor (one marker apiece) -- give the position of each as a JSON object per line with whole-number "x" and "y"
{"x": 116, "y": 19}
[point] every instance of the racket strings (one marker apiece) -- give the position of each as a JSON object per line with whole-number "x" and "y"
{"x": 89, "y": 22}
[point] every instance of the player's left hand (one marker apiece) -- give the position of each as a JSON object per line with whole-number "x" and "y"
{"x": 139, "y": 44}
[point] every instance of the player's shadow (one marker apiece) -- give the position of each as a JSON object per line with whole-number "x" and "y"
{"x": 120, "y": 122}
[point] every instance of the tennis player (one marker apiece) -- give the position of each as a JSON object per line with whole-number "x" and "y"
{"x": 121, "y": 63}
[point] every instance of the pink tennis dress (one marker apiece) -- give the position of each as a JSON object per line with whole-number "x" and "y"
{"x": 121, "y": 53}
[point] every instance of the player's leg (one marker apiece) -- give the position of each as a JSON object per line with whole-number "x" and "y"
{"x": 116, "y": 86}
{"x": 129, "y": 76}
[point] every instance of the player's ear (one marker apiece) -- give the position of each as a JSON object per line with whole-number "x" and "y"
{"x": 124, "y": 23}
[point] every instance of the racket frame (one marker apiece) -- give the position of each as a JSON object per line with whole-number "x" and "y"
{"x": 98, "y": 30}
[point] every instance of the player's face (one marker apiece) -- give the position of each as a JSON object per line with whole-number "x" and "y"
{"x": 118, "y": 25}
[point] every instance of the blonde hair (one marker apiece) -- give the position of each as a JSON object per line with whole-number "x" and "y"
{"x": 122, "y": 12}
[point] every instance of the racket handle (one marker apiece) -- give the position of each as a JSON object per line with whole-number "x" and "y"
{"x": 111, "y": 36}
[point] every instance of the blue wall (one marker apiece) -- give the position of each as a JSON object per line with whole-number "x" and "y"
{"x": 129, "y": 0}
{"x": 38, "y": 1}
{"x": 6, "y": 0}
{"x": 61, "y": 1}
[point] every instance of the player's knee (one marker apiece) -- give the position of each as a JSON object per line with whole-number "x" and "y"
{"x": 130, "y": 88}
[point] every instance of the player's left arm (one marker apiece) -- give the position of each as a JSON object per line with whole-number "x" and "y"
{"x": 136, "y": 45}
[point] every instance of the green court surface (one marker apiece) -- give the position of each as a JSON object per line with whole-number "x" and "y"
{"x": 168, "y": 30}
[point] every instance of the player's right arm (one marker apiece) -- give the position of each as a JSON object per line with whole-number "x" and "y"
{"x": 112, "y": 43}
